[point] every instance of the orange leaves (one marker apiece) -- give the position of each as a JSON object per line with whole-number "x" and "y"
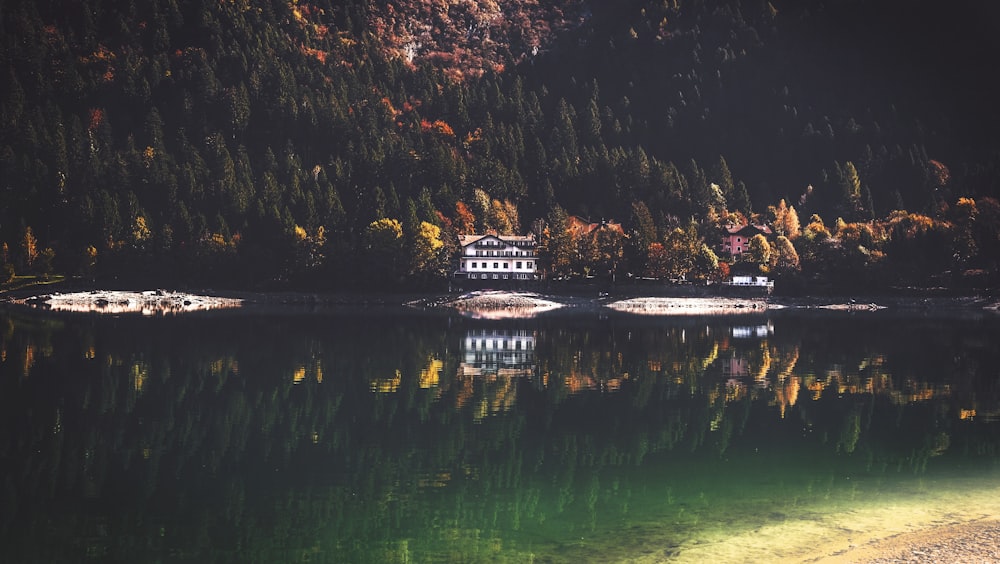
{"x": 474, "y": 136}
{"x": 468, "y": 38}
{"x": 465, "y": 221}
{"x": 101, "y": 59}
{"x": 96, "y": 118}
{"x": 939, "y": 172}
{"x": 912, "y": 225}
{"x": 439, "y": 126}
{"x": 388, "y": 105}
{"x": 317, "y": 54}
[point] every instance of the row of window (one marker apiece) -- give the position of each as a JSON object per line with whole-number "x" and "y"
{"x": 505, "y": 253}
{"x": 485, "y": 276}
{"x": 504, "y": 345}
{"x": 505, "y": 244}
{"x": 518, "y": 265}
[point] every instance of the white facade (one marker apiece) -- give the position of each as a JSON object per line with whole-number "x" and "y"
{"x": 498, "y": 257}
{"x": 756, "y": 281}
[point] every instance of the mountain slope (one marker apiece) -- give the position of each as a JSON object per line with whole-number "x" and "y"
{"x": 255, "y": 143}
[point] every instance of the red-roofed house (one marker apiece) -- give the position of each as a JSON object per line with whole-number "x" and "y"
{"x": 579, "y": 226}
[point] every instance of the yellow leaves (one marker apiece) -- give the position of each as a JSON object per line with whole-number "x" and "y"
{"x": 140, "y": 372}
{"x": 427, "y": 244}
{"x": 29, "y": 247}
{"x": 140, "y": 231}
{"x": 301, "y": 372}
{"x": 387, "y": 385}
{"x": 431, "y": 234}
{"x": 386, "y": 228}
{"x": 300, "y": 233}
{"x": 431, "y": 375}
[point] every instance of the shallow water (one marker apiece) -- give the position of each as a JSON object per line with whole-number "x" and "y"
{"x": 411, "y": 437}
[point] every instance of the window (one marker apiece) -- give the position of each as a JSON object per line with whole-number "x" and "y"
{"x": 530, "y": 264}
{"x": 473, "y": 265}
{"x": 518, "y": 265}
{"x": 506, "y": 265}
{"x": 496, "y": 265}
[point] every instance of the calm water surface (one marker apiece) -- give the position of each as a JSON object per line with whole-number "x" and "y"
{"x": 411, "y": 437}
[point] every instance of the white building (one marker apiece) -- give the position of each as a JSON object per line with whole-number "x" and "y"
{"x": 498, "y": 257}
{"x": 754, "y": 281}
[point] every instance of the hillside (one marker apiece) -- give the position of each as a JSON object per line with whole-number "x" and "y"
{"x": 468, "y": 38}
{"x": 329, "y": 144}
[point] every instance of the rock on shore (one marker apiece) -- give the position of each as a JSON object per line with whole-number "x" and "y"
{"x": 152, "y": 302}
{"x": 689, "y": 306}
{"x": 501, "y": 305}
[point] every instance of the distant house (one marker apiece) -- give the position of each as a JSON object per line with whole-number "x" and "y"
{"x": 580, "y": 227}
{"x": 750, "y": 281}
{"x": 736, "y": 240}
{"x": 498, "y": 257}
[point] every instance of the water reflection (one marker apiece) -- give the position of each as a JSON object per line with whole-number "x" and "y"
{"x": 495, "y": 353}
{"x": 411, "y": 438}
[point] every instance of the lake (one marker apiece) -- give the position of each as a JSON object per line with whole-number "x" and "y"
{"x": 394, "y": 435}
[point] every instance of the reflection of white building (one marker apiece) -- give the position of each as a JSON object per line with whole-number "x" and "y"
{"x": 753, "y": 331}
{"x": 498, "y": 352}
{"x": 497, "y": 257}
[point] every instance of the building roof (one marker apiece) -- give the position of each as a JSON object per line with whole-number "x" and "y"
{"x": 466, "y": 240}
{"x": 579, "y": 226}
{"x": 748, "y": 230}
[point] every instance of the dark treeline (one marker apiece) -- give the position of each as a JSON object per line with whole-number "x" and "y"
{"x": 265, "y": 144}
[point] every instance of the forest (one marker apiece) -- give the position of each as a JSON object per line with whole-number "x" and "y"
{"x": 345, "y": 144}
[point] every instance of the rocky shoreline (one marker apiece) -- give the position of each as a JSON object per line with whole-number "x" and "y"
{"x": 493, "y": 304}
{"x": 972, "y": 541}
{"x": 149, "y": 302}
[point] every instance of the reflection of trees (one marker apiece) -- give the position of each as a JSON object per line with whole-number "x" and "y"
{"x": 357, "y": 438}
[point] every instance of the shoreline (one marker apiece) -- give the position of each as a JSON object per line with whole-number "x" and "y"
{"x": 495, "y": 304}
{"x": 976, "y": 540}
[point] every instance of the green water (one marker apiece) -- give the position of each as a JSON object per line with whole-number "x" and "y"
{"x": 399, "y": 436}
